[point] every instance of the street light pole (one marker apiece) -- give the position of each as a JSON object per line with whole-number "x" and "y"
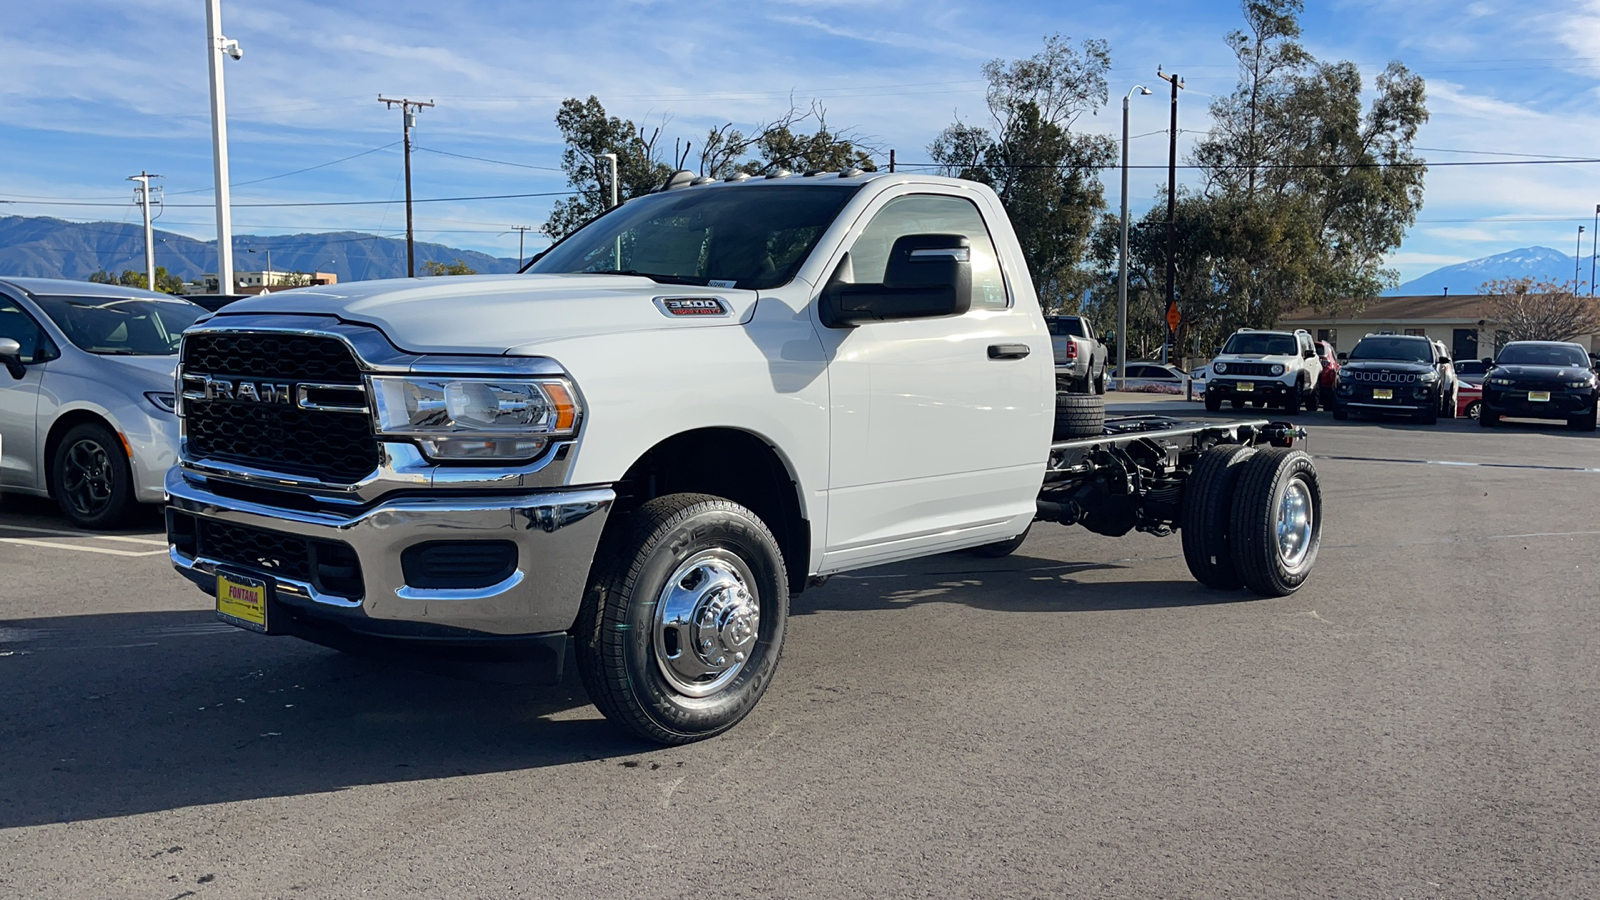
{"x": 408, "y": 118}
{"x": 216, "y": 46}
{"x": 1172, "y": 209}
{"x": 1122, "y": 256}
{"x": 1577, "y": 261}
{"x": 612, "y": 158}
{"x": 1594, "y": 247}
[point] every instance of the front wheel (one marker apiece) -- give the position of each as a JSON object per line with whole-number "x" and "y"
{"x": 1213, "y": 402}
{"x": 91, "y": 479}
{"x": 1486, "y": 418}
{"x": 680, "y": 631}
{"x": 1276, "y": 523}
{"x": 1474, "y": 409}
{"x": 1585, "y": 422}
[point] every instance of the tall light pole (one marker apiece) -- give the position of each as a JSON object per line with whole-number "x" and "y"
{"x": 149, "y": 235}
{"x": 408, "y": 119}
{"x": 612, "y": 158}
{"x": 1122, "y": 257}
{"x": 1594, "y": 247}
{"x": 1577, "y": 261}
{"x": 217, "y": 45}
{"x": 1172, "y": 211}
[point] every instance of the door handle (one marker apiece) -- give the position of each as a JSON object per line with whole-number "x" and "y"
{"x": 1008, "y": 351}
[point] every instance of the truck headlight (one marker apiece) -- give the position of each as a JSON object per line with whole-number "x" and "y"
{"x": 1220, "y": 368}
{"x": 475, "y": 418}
{"x": 1277, "y": 369}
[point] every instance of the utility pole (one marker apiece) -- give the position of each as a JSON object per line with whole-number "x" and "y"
{"x": 1172, "y": 210}
{"x": 143, "y": 198}
{"x": 1594, "y": 247}
{"x": 521, "y": 231}
{"x": 1122, "y": 257}
{"x": 217, "y": 45}
{"x": 408, "y": 118}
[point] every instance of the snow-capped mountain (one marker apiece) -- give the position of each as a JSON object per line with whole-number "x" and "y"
{"x": 1541, "y": 263}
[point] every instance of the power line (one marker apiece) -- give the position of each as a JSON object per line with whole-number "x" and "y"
{"x": 500, "y": 162}
{"x": 315, "y": 203}
{"x": 295, "y": 172}
{"x": 1374, "y": 165}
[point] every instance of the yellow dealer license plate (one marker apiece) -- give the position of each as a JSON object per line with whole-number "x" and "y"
{"x": 242, "y": 601}
{"x": 1539, "y": 396}
{"x": 1383, "y": 393}
{"x": 1244, "y": 387}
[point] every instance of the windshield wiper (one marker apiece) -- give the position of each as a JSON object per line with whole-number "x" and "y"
{"x": 658, "y": 279}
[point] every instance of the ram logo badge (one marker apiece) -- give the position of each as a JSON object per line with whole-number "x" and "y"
{"x": 692, "y": 306}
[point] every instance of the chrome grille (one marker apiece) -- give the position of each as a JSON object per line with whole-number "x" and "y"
{"x": 1382, "y": 377}
{"x": 332, "y": 446}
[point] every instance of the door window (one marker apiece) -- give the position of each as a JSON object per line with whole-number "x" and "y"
{"x": 928, "y": 214}
{"x": 20, "y": 327}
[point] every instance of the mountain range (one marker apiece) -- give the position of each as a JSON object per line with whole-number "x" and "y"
{"x": 52, "y": 248}
{"x": 1538, "y": 263}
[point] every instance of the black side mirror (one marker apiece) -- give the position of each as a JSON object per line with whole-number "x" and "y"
{"x": 1344, "y": 357}
{"x": 928, "y": 276}
{"x": 11, "y": 356}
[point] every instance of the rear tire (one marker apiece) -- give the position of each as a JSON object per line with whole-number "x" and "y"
{"x": 1207, "y": 516}
{"x": 1291, "y": 406}
{"x": 1276, "y": 524}
{"x": 1237, "y": 404}
{"x": 1079, "y": 415}
{"x": 1474, "y": 409}
{"x": 1311, "y": 400}
{"x": 658, "y": 651}
{"x": 1100, "y": 383}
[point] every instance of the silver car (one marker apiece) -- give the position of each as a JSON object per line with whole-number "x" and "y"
{"x": 86, "y": 411}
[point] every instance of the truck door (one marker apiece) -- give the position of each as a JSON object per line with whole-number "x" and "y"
{"x": 940, "y": 427}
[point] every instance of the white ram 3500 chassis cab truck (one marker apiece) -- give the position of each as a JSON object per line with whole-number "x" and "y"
{"x": 702, "y": 402}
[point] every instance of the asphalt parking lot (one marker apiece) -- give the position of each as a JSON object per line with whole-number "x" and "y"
{"x": 1078, "y": 720}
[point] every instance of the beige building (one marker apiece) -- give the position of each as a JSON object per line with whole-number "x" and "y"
{"x": 1464, "y": 324}
{"x": 263, "y": 282}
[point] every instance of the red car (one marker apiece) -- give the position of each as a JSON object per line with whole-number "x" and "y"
{"x": 1330, "y": 373}
{"x": 1470, "y": 401}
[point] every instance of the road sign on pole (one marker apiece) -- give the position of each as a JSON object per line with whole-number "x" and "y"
{"x": 1173, "y": 318}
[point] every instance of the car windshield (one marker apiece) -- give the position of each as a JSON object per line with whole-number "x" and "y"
{"x": 1542, "y": 355}
{"x": 746, "y": 237}
{"x": 1066, "y": 326}
{"x": 1397, "y": 349}
{"x": 1248, "y": 343}
{"x": 121, "y": 326}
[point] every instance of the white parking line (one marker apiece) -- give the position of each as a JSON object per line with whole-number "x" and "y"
{"x": 87, "y": 534}
{"x": 82, "y": 549}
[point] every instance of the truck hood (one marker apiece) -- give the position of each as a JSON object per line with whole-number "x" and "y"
{"x": 495, "y": 313}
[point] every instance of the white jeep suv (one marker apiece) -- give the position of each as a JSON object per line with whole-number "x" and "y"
{"x": 1267, "y": 368}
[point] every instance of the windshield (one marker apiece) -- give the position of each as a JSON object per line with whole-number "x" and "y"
{"x": 1397, "y": 349}
{"x": 1252, "y": 343}
{"x": 1066, "y": 326}
{"x": 746, "y": 237}
{"x": 1542, "y": 355}
{"x": 114, "y": 326}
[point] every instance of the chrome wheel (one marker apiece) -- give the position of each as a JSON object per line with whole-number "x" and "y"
{"x": 87, "y": 478}
{"x": 1474, "y": 408}
{"x": 706, "y": 622}
{"x": 1296, "y": 523}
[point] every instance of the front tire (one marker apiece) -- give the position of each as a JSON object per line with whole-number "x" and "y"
{"x": 1213, "y": 402}
{"x": 680, "y": 631}
{"x": 1585, "y": 422}
{"x": 90, "y": 477}
{"x": 1276, "y": 525}
{"x": 1488, "y": 418}
{"x": 1340, "y": 413}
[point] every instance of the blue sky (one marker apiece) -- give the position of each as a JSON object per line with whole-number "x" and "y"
{"x": 92, "y": 91}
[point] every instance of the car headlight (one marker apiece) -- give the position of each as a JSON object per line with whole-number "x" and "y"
{"x": 1220, "y": 368}
{"x": 1579, "y": 384}
{"x": 166, "y": 401}
{"x": 1278, "y": 369}
{"x": 476, "y": 418}
{"x": 1428, "y": 377}
{"x": 1501, "y": 381}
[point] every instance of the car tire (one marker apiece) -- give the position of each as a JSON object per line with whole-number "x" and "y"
{"x": 1473, "y": 409}
{"x": 1448, "y": 407}
{"x": 1585, "y": 422}
{"x": 1001, "y": 549}
{"x": 1213, "y": 404}
{"x": 1340, "y": 413}
{"x": 1100, "y": 383}
{"x": 639, "y": 634}
{"x": 1276, "y": 524}
{"x": 1311, "y": 400}
{"x": 1429, "y": 416}
{"x": 90, "y": 477}
{"x": 1238, "y": 404}
{"x": 1079, "y": 416}
{"x": 1486, "y": 418}
{"x": 1207, "y": 516}
{"x": 1291, "y": 406}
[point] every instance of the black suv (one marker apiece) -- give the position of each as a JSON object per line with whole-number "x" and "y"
{"x": 1396, "y": 373}
{"x": 1540, "y": 380}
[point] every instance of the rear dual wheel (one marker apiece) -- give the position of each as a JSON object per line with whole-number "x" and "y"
{"x": 1252, "y": 518}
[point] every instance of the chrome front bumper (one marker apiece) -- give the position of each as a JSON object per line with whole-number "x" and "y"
{"x": 556, "y": 533}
